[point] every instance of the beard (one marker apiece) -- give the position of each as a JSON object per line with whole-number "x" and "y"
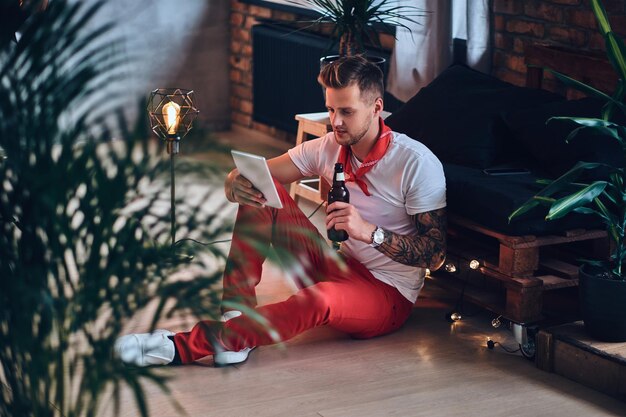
{"x": 348, "y": 139}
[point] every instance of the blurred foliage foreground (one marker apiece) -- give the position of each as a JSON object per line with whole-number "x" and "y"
{"x": 84, "y": 222}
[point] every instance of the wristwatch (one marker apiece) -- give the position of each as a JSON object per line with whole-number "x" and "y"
{"x": 378, "y": 237}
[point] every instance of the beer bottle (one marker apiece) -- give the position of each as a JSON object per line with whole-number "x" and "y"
{"x": 338, "y": 192}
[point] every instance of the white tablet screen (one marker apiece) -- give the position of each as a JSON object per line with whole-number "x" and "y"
{"x": 255, "y": 169}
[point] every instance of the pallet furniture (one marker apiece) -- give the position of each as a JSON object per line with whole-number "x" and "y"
{"x": 514, "y": 272}
{"x": 518, "y": 272}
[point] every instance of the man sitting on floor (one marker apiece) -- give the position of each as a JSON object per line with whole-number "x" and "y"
{"x": 395, "y": 221}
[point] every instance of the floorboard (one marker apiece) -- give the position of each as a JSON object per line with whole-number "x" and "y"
{"x": 428, "y": 368}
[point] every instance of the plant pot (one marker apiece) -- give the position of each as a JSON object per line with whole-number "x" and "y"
{"x": 602, "y": 303}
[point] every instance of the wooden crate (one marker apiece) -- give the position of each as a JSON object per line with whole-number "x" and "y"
{"x": 515, "y": 271}
{"x": 568, "y": 351}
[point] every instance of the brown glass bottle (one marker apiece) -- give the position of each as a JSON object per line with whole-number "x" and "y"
{"x": 338, "y": 192}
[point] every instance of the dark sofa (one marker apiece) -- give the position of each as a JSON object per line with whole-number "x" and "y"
{"x": 473, "y": 121}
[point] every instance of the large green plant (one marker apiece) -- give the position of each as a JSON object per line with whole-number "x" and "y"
{"x": 355, "y": 22}
{"x": 604, "y": 198}
{"x": 83, "y": 222}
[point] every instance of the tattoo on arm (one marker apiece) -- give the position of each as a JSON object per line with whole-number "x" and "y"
{"x": 425, "y": 248}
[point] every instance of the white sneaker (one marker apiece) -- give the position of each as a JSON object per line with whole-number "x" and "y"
{"x": 228, "y": 357}
{"x": 145, "y": 349}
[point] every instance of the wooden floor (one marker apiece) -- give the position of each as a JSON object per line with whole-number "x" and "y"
{"x": 428, "y": 368}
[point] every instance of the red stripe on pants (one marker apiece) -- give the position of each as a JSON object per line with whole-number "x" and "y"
{"x": 342, "y": 294}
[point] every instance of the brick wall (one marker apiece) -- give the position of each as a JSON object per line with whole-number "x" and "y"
{"x": 243, "y": 16}
{"x": 515, "y": 23}
{"x": 569, "y": 23}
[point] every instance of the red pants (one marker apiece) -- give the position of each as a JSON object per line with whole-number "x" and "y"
{"x": 335, "y": 291}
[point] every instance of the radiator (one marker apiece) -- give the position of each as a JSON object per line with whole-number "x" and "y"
{"x": 285, "y": 69}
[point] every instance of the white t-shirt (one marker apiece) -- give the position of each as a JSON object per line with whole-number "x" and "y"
{"x": 409, "y": 179}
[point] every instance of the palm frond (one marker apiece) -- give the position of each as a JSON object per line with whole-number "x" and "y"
{"x": 80, "y": 222}
{"x": 359, "y": 21}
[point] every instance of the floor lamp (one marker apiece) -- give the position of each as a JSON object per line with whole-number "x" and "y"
{"x": 172, "y": 113}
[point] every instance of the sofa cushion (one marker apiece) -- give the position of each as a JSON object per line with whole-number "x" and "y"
{"x": 457, "y": 115}
{"x": 545, "y": 142}
{"x": 488, "y": 200}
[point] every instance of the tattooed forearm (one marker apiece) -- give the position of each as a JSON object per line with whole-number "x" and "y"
{"x": 426, "y": 247}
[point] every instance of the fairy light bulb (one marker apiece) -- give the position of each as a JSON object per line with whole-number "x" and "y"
{"x": 453, "y": 316}
{"x": 171, "y": 115}
{"x": 450, "y": 267}
{"x": 496, "y": 322}
{"x": 427, "y": 272}
{"x": 474, "y": 264}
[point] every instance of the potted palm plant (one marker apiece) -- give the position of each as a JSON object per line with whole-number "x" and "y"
{"x": 602, "y": 283}
{"x": 355, "y": 23}
{"x": 81, "y": 228}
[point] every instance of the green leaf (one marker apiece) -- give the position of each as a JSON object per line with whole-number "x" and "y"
{"x": 567, "y": 179}
{"x": 608, "y": 110}
{"x": 594, "y": 126}
{"x": 566, "y": 204}
{"x": 535, "y": 201}
{"x": 561, "y": 183}
{"x": 353, "y": 21}
{"x": 601, "y": 16}
{"x": 81, "y": 280}
{"x": 587, "y": 89}
{"x": 586, "y": 121}
{"x": 593, "y": 262}
{"x": 587, "y": 210}
{"x": 596, "y": 131}
{"x": 616, "y": 51}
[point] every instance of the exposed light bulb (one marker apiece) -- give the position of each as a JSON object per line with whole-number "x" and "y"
{"x": 427, "y": 272}
{"x": 453, "y": 316}
{"x": 171, "y": 115}
{"x": 450, "y": 267}
{"x": 496, "y": 322}
{"x": 474, "y": 264}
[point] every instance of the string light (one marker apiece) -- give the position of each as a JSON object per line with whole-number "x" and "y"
{"x": 450, "y": 267}
{"x": 496, "y": 322}
{"x": 490, "y": 343}
{"x": 453, "y": 316}
{"x": 474, "y": 264}
{"x": 427, "y": 272}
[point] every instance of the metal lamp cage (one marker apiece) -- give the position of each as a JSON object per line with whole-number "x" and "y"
{"x": 186, "y": 113}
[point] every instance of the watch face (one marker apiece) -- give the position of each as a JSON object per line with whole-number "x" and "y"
{"x": 379, "y": 236}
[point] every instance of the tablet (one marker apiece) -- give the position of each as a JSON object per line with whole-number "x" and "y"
{"x": 255, "y": 169}
{"x": 506, "y": 171}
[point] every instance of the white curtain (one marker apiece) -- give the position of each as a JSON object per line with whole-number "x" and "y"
{"x": 423, "y": 52}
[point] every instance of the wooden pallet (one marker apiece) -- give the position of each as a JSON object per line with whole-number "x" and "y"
{"x": 514, "y": 271}
{"x": 567, "y": 350}
{"x": 518, "y": 271}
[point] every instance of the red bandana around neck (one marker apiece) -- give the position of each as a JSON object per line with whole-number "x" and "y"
{"x": 374, "y": 155}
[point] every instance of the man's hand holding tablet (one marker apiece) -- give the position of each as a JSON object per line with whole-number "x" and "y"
{"x": 254, "y": 184}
